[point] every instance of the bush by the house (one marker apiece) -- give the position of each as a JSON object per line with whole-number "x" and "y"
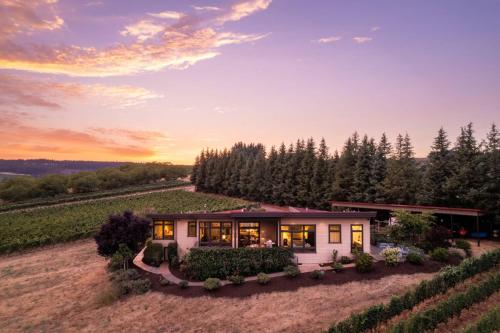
{"x": 409, "y": 227}
{"x": 391, "y": 255}
{"x": 415, "y": 258}
{"x": 440, "y": 254}
{"x": 437, "y": 236}
{"x": 127, "y": 229}
{"x": 345, "y": 260}
{"x": 237, "y": 279}
{"x": 317, "y": 274}
{"x": 164, "y": 282}
{"x": 447, "y": 278}
{"x": 263, "y": 278}
{"x": 291, "y": 271}
{"x": 364, "y": 263}
{"x": 337, "y": 267}
{"x": 211, "y": 284}
{"x": 153, "y": 254}
{"x": 172, "y": 254}
{"x": 464, "y": 245}
{"x": 452, "y": 306}
{"x": 202, "y": 263}
{"x": 183, "y": 284}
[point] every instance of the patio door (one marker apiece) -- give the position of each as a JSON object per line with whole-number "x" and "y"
{"x": 357, "y": 237}
{"x": 248, "y": 234}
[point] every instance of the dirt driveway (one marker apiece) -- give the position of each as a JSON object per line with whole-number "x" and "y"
{"x": 56, "y": 290}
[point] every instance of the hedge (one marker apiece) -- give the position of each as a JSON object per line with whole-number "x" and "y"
{"x": 447, "y": 278}
{"x": 203, "y": 263}
{"x": 487, "y": 323}
{"x": 452, "y": 306}
{"x": 153, "y": 254}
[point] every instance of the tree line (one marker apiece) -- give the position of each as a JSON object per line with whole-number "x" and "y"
{"x": 28, "y": 187}
{"x": 465, "y": 174}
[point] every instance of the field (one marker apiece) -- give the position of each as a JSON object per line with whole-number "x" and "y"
{"x": 28, "y": 229}
{"x": 57, "y": 289}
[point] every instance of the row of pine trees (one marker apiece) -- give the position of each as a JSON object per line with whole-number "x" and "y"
{"x": 465, "y": 174}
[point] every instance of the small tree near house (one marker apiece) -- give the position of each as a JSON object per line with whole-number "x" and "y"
{"x": 126, "y": 229}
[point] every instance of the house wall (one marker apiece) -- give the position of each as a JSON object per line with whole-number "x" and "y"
{"x": 323, "y": 247}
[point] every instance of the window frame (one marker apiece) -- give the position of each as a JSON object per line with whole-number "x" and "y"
{"x": 189, "y": 225}
{"x": 210, "y": 243}
{"x": 240, "y": 228}
{"x": 362, "y": 236}
{"x": 162, "y": 223}
{"x": 302, "y": 249}
{"x": 339, "y": 231}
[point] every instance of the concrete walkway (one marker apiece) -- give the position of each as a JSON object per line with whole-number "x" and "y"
{"x": 164, "y": 271}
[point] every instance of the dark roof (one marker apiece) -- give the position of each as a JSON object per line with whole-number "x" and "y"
{"x": 411, "y": 208}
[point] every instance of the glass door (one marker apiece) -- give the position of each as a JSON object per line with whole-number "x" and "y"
{"x": 357, "y": 237}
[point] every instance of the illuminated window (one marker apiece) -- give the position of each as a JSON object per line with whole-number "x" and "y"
{"x": 248, "y": 234}
{"x": 216, "y": 233}
{"x": 191, "y": 228}
{"x": 334, "y": 235}
{"x": 298, "y": 237}
{"x": 357, "y": 237}
{"x": 163, "y": 230}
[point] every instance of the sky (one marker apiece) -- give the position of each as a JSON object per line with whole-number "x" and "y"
{"x": 160, "y": 80}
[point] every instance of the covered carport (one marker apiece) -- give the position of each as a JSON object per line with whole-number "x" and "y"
{"x": 450, "y": 216}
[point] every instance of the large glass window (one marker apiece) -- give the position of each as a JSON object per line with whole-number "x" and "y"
{"x": 163, "y": 230}
{"x": 298, "y": 237}
{"x": 216, "y": 233}
{"x": 191, "y": 228}
{"x": 357, "y": 237}
{"x": 334, "y": 235}
{"x": 248, "y": 234}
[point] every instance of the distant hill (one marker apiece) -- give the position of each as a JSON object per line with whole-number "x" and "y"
{"x": 43, "y": 167}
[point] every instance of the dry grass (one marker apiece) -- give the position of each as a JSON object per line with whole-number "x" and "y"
{"x": 60, "y": 289}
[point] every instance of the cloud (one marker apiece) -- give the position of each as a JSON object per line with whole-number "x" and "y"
{"x": 326, "y": 40}
{"x": 206, "y": 8}
{"x": 157, "y": 45}
{"x": 362, "y": 39}
{"x": 167, "y": 15}
{"x": 60, "y": 143}
{"x": 142, "y": 30}
{"x": 17, "y": 91}
{"x": 374, "y": 29}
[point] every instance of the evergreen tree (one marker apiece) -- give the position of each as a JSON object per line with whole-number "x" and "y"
{"x": 438, "y": 170}
{"x": 363, "y": 188}
{"x": 379, "y": 169}
{"x": 344, "y": 174}
{"x": 280, "y": 176}
{"x": 490, "y": 189}
{"x": 320, "y": 182}
{"x": 305, "y": 175}
{"x": 257, "y": 177}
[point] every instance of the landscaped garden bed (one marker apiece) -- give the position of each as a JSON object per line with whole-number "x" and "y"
{"x": 284, "y": 283}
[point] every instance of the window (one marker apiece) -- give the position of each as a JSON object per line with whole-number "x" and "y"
{"x": 248, "y": 234}
{"x": 298, "y": 237}
{"x": 216, "y": 233}
{"x": 191, "y": 228}
{"x": 334, "y": 235}
{"x": 357, "y": 237}
{"x": 163, "y": 230}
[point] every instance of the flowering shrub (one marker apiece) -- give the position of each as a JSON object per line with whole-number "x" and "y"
{"x": 391, "y": 256}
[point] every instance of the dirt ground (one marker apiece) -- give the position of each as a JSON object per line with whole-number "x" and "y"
{"x": 56, "y": 289}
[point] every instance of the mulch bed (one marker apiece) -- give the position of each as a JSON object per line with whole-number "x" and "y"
{"x": 283, "y": 284}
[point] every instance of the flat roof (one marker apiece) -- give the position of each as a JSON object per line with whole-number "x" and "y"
{"x": 261, "y": 214}
{"x": 411, "y": 208}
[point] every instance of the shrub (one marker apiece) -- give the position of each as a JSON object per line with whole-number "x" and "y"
{"x": 440, "y": 254}
{"x": 183, "y": 284}
{"x": 172, "y": 254}
{"x": 291, "y": 271}
{"x": 164, "y": 282}
{"x": 464, "y": 245}
{"x": 202, "y": 263}
{"x": 125, "y": 229}
{"x": 140, "y": 286}
{"x": 128, "y": 281}
{"x": 391, "y": 256}
{"x": 263, "y": 278}
{"x": 109, "y": 296}
{"x": 317, "y": 274}
{"x": 345, "y": 260}
{"x": 337, "y": 267}
{"x": 447, "y": 278}
{"x": 335, "y": 254}
{"x": 415, "y": 258}
{"x": 364, "y": 263}
{"x": 211, "y": 284}
{"x": 153, "y": 255}
{"x": 237, "y": 279}
{"x": 437, "y": 236}
{"x": 409, "y": 227}
{"x": 487, "y": 323}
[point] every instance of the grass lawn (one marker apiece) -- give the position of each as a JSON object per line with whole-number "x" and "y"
{"x": 57, "y": 288}
{"x": 27, "y": 229}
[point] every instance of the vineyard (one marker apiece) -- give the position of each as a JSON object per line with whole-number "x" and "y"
{"x": 458, "y": 298}
{"x": 28, "y": 229}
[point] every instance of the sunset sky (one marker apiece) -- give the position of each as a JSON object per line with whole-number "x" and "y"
{"x": 159, "y": 80}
